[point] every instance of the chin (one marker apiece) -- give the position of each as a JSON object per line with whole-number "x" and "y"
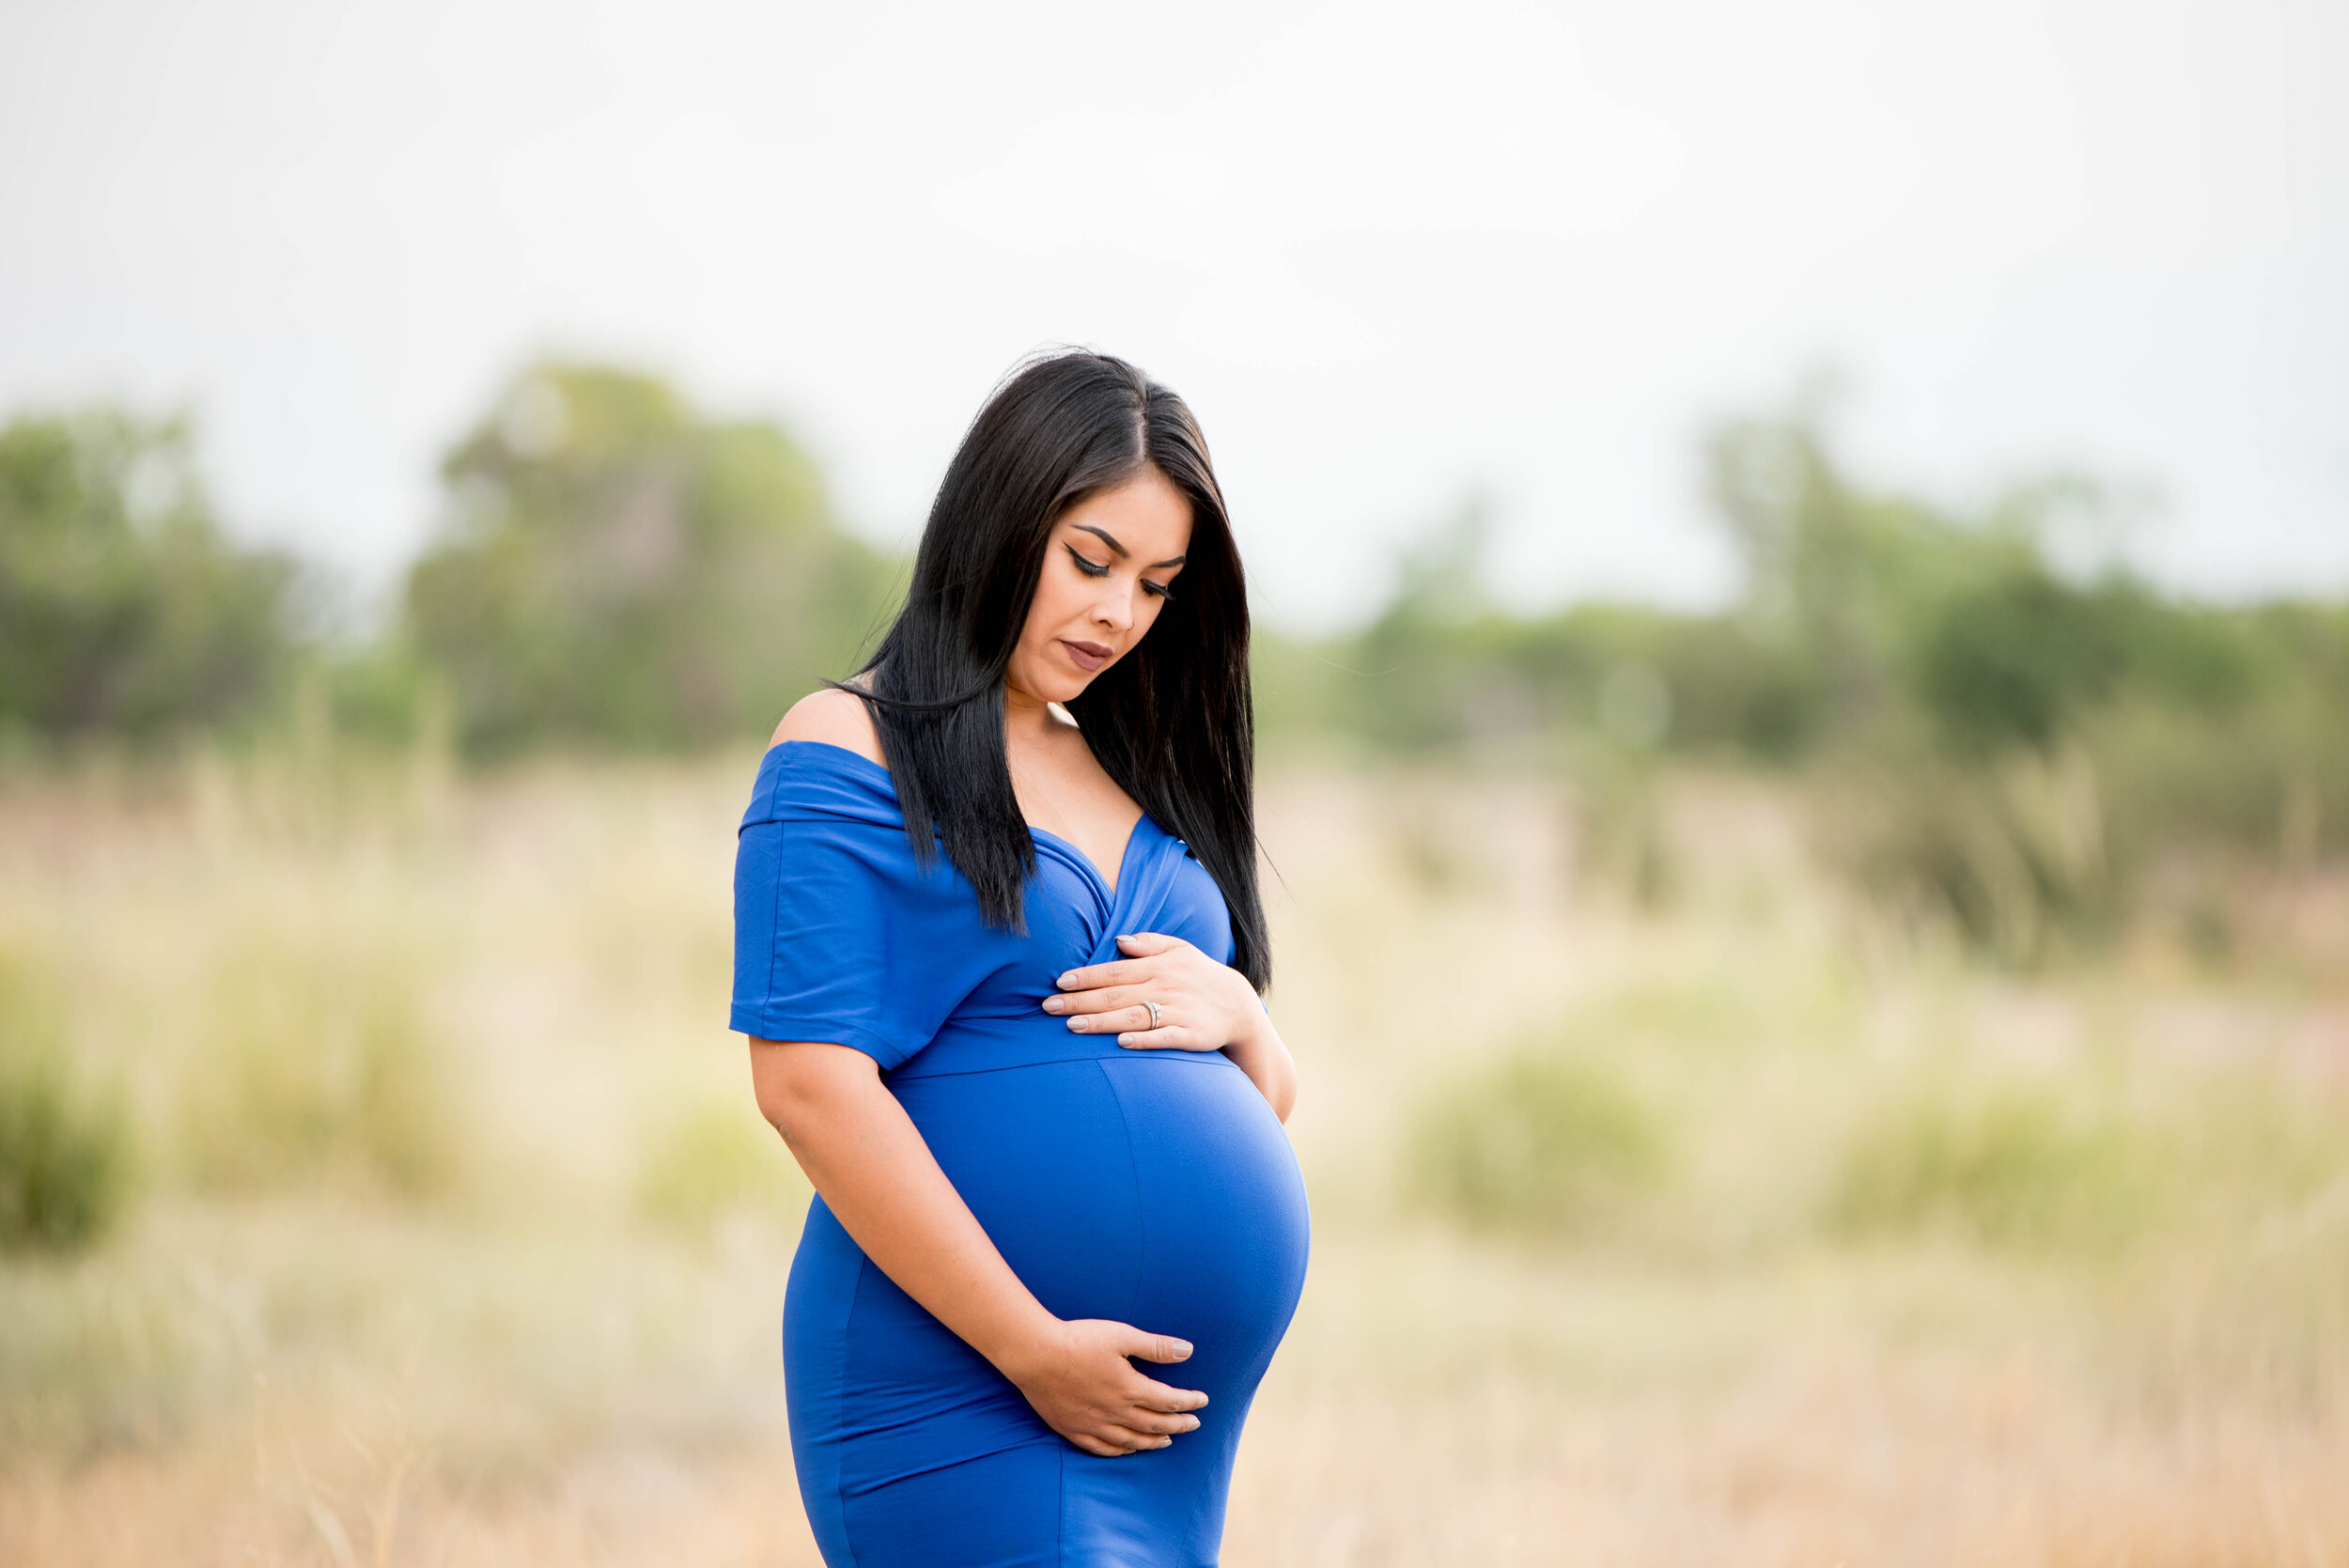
{"x": 1055, "y": 681}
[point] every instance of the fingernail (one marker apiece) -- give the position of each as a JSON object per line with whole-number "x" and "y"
{"x": 1051, "y": 1004}
{"x": 1076, "y": 1024}
{"x": 1182, "y": 1350}
{"x": 1068, "y": 979}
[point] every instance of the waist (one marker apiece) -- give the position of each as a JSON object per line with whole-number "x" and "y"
{"x": 985, "y": 1044}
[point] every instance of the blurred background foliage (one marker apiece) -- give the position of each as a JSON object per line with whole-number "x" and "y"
{"x": 617, "y": 569}
{"x": 125, "y": 613}
{"x": 614, "y": 570}
{"x": 1994, "y": 743}
{"x": 1990, "y": 742}
{"x": 2032, "y": 759}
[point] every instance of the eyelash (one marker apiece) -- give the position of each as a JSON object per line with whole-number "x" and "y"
{"x": 1093, "y": 569}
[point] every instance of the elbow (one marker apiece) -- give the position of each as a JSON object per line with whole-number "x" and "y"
{"x": 1279, "y": 1090}
{"x": 792, "y": 1110}
{"x": 783, "y": 1106}
{"x": 1285, "y": 1101}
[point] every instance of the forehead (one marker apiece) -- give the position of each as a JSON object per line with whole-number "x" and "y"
{"x": 1147, "y": 514}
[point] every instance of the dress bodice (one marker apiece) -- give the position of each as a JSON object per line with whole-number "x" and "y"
{"x": 842, "y": 936}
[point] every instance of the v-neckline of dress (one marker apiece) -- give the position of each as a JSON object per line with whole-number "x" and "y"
{"x": 1092, "y": 867}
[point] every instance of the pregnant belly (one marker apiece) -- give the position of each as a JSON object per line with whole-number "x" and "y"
{"x": 1156, "y": 1188}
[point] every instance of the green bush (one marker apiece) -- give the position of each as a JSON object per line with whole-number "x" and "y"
{"x": 2017, "y": 1166}
{"x": 64, "y": 1157}
{"x": 1542, "y": 1141}
{"x": 316, "y": 1065}
{"x": 65, "y": 1154}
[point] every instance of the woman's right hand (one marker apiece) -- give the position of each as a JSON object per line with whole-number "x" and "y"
{"x": 1078, "y": 1379}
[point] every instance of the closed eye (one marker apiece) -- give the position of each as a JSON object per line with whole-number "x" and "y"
{"x": 1099, "y": 568}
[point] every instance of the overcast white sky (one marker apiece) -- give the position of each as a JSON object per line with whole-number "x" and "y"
{"x": 1391, "y": 254}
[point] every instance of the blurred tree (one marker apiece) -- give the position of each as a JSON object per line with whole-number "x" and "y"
{"x": 617, "y": 568}
{"x": 2017, "y": 658}
{"x": 1841, "y": 580}
{"x": 122, "y": 610}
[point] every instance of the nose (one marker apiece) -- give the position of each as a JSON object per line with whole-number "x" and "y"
{"x": 1113, "y": 609}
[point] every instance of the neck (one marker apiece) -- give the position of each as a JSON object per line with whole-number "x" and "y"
{"x": 1025, "y": 717}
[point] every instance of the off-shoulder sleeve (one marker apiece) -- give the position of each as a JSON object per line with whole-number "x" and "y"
{"x": 839, "y": 938}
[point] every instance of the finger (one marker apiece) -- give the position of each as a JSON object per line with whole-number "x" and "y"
{"x": 1154, "y": 1347}
{"x": 1130, "y": 1441}
{"x": 1169, "y": 1038}
{"x": 1093, "y": 1445}
{"x": 1112, "y": 1023}
{"x": 1122, "y": 971}
{"x": 1149, "y": 944}
{"x": 1155, "y": 1395}
{"x": 1159, "y": 1424}
{"x": 1097, "y": 1001}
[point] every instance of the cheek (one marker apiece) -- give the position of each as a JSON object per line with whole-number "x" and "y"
{"x": 1051, "y": 606}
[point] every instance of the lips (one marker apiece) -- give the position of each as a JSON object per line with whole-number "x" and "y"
{"x": 1088, "y": 657}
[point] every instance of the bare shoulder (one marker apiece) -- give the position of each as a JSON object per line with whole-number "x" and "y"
{"x": 834, "y": 717}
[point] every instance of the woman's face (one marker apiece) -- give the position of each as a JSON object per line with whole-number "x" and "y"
{"x": 1111, "y": 564}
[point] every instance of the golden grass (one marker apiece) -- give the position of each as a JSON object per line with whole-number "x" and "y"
{"x": 518, "y": 1304}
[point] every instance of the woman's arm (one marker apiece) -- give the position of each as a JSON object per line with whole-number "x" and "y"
{"x": 880, "y": 1179}
{"x": 1202, "y": 1005}
{"x": 1268, "y": 1065}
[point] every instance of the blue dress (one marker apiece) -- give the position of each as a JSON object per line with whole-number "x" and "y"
{"x": 1153, "y": 1187}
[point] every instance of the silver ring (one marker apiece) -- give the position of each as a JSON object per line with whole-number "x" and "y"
{"x": 1157, "y": 1018}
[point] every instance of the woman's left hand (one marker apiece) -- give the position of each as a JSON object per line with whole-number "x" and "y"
{"x": 1202, "y": 1005}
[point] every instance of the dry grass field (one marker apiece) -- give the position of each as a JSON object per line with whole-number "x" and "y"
{"x": 1678, "y": 1212}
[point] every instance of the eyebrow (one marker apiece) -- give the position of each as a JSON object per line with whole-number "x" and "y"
{"x": 1111, "y": 539}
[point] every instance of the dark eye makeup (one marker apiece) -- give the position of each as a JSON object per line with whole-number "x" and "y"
{"x": 1095, "y": 568}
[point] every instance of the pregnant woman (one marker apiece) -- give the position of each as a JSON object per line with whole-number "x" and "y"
{"x": 997, "y": 950}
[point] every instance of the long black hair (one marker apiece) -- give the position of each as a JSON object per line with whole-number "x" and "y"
{"x": 1173, "y": 722}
